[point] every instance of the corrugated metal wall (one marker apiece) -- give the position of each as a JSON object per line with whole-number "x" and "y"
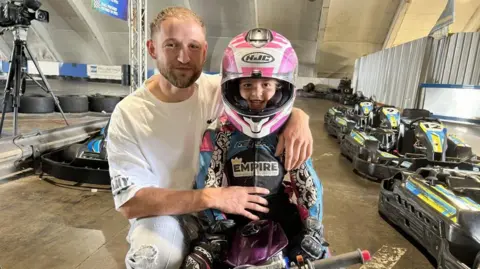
{"x": 456, "y": 60}
{"x": 393, "y": 75}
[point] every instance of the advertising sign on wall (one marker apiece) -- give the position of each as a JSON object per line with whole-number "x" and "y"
{"x": 104, "y": 71}
{"x": 115, "y": 8}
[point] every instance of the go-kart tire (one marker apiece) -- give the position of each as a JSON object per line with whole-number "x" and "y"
{"x": 73, "y": 103}
{"x": 9, "y": 104}
{"x": 100, "y": 103}
{"x": 36, "y": 103}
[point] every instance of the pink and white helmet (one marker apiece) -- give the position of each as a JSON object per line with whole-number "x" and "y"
{"x": 259, "y": 53}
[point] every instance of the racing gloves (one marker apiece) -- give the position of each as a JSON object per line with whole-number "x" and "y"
{"x": 311, "y": 243}
{"x": 202, "y": 257}
{"x": 211, "y": 248}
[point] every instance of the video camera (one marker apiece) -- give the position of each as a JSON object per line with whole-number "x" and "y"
{"x": 21, "y": 12}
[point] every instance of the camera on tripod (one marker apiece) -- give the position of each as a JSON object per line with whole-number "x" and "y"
{"x": 21, "y": 12}
{"x": 16, "y": 16}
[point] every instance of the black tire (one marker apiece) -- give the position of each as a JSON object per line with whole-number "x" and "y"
{"x": 73, "y": 103}
{"x": 9, "y": 104}
{"x": 99, "y": 103}
{"x": 36, "y": 103}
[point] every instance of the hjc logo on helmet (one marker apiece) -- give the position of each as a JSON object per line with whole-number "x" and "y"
{"x": 258, "y": 58}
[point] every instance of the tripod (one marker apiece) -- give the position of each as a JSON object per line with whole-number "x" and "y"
{"x": 17, "y": 75}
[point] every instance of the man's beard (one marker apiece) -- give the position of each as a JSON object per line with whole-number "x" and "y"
{"x": 180, "y": 81}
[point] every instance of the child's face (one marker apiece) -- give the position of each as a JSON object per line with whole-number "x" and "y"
{"x": 257, "y": 91}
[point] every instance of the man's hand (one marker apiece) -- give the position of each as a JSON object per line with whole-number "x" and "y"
{"x": 296, "y": 139}
{"x": 235, "y": 200}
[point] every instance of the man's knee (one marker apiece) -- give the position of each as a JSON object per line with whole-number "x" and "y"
{"x": 145, "y": 256}
{"x": 153, "y": 256}
{"x": 156, "y": 243}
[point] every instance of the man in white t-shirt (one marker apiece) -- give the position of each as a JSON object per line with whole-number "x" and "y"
{"x": 153, "y": 146}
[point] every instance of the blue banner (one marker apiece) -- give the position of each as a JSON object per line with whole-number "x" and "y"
{"x": 446, "y": 18}
{"x": 115, "y": 8}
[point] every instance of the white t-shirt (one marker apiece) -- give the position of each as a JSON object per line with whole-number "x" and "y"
{"x": 151, "y": 143}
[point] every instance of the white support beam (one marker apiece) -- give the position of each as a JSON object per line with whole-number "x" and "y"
{"x": 473, "y": 25}
{"x": 322, "y": 27}
{"x": 187, "y": 4}
{"x": 41, "y": 31}
{"x": 82, "y": 12}
{"x": 396, "y": 23}
{"x": 256, "y": 13}
{"x": 137, "y": 28}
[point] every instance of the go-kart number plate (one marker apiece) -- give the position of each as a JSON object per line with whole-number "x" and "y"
{"x": 437, "y": 144}
{"x": 366, "y": 107}
{"x": 393, "y": 115}
{"x": 431, "y": 199}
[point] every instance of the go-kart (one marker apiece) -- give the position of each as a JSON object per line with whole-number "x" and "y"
{"x": 352, "y": 99}
{"x": 383, "y": 124}
{"x": 375, "y": 129}
{"x": 360, "y": 112}
{"x": 261, "y": 244}
{"x": 376, "y": 140}
{"x": 439, "y": 208}
{"x": 419, "y": 140}
{"x": 84, "y": 162}
{"x": 428, "y": 137}
{"x": 338, "y": 125}
{"x": 345, "y": 86}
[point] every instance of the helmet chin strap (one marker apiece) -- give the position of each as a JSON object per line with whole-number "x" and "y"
{"x": 256, "y": 127}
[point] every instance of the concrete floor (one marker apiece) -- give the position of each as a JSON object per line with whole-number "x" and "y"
{"x": 49, "y": 226}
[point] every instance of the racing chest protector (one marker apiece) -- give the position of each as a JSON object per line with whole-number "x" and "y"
{"x": 251, "y": 162}
{"x": 228, "y": 155}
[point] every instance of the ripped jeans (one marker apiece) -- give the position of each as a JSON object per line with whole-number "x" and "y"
{"x": 160, "y": 242}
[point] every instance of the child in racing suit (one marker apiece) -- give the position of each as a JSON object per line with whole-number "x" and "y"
{"x": 258, "y": 101}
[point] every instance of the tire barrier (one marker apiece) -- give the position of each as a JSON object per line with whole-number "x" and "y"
{"x": 42, "y": 104}
{"x": 101, "y": 103}
{"x": 36, "y": 103}
{"x": 73, "y": 103}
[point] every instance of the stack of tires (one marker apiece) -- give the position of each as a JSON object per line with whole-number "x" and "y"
{"x": 43, "y": 103}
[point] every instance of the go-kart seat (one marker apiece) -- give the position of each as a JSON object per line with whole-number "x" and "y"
{"x": 377, "y": 111}
{"x": 405, "y": 142}
{"x": 464, "y": 182}
{"x": 413, "y": 113}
